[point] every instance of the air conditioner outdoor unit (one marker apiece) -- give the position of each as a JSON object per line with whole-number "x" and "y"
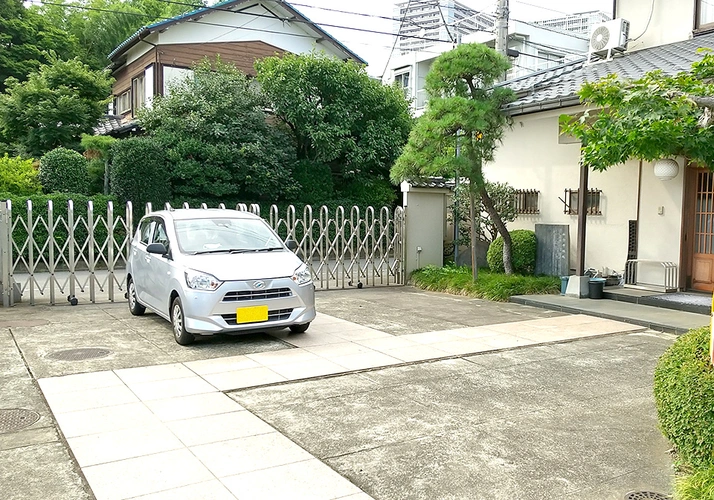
{"x": 609, "y": 37}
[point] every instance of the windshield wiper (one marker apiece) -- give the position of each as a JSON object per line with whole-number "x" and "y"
{"x": 223, "y": 250}
{"x": 270, "y": 249}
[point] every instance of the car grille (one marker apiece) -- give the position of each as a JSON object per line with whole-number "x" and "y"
{"x": 276, "y": 315}
{"x": 273, "y": 293}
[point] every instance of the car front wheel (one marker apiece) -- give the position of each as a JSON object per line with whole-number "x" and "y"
{"x": 135, "y": 308}
{"x": 179, "y": 324}
{"x": 299, "y": 328}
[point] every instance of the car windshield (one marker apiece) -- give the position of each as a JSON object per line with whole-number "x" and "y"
{"x": 224, "y": 235}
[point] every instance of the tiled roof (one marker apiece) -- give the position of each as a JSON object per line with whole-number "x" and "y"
{"x": 557, "y": 87}
{"x": 434, "y": 182}
{"x": 111, "y": 124}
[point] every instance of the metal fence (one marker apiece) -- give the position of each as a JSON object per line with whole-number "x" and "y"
{"x": 52, "y": 254}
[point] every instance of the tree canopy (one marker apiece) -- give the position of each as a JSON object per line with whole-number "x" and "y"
{"x": 54, "y": 107}
{"x": 337, "y": 114}
{"x": 653, "y": 117}
{"x": 464, "y": 110}
{"x": 101, "y": 25}
{"x": 25, "y": 36}
{"x": 218, "y": 144}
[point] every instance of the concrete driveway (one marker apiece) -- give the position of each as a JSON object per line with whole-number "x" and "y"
{"x": 392, "y": 393}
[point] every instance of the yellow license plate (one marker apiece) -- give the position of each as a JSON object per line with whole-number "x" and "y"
{"x": 253, "y": 314}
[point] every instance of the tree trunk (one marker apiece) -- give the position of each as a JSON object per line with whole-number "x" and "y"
{"x": 488, "y": 205}
{"x": 474, "y": 233}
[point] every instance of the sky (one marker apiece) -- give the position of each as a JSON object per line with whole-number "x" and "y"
{"x": 376, "y": 48}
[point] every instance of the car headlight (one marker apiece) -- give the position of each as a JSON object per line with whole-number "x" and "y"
{"x": 201, "y": 281}
{"x": 302, "y": 275}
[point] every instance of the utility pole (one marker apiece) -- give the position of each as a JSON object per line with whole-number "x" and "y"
{"x": 502, "y": 27}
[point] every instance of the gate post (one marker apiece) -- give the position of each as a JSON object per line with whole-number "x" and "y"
{"x": 5, "y": 274}
{"x": 425, "y": 214}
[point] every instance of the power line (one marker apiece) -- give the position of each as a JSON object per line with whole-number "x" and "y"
{"x": 396, "y": 39}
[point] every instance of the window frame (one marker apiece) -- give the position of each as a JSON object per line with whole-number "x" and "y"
{"x": 594, "y": 202}
{"x": 698, "y": 26}
{"x": 136, "y": 105}
{"x": 124, "y": 97}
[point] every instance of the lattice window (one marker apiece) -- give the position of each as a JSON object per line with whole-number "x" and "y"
{"x": 526, "y": 201}
{"x": 592, "y": 203}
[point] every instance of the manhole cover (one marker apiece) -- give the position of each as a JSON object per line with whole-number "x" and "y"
{"x": 17, "y": 418}
{"x": 80, "y": 354}
{"x": 646, "y": 495}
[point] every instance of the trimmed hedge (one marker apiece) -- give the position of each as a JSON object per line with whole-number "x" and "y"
{"x": 64, "y": 171}
{"x": 684, "y": 395}
{"x": 140, "y": 172}
{"x": 523, "y": 252}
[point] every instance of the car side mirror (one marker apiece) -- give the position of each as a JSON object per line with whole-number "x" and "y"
{"x": 291, "y": 244}
{"x": 157, "y": 248}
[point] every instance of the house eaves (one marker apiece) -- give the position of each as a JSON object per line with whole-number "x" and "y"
{"x": 558, "y": 87}
{"x": 197, "y": 14}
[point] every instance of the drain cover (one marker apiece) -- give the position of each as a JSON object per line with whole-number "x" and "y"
{"x": 80, "y": 354}
{"x": 646, "y": 495}
{"x": 17, "y": 418}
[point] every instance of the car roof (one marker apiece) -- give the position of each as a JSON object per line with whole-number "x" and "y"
{"x": 204, "y": 213}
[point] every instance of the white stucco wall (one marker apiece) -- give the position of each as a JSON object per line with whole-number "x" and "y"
{"x": 531, "y": 158}
{"x": 672, "y": 21}
{"x": 221, "y": 26}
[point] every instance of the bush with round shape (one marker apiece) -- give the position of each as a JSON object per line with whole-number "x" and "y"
{"x": 64, "y": 171}
{"x": 684, "y": 392}
{"x": 523, "y": 252}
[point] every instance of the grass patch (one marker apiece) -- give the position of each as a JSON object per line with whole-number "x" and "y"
{"x": 491, "y": 286}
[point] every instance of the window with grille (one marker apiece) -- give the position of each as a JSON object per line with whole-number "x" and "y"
{"x": 592, "y": 204}
{"x": 138, "y": 93}
{"x": 526, "y": 201}
{"x": 123, "y": 103}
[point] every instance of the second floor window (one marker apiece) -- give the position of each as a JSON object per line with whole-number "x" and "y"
{"x": 705, "y": 14}
{"x": 402, "y": 80}
{"x": 138, "y": 93}
{"x": 123, "y": 103}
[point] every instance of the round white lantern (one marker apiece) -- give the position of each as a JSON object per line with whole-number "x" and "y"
{"x": 666, "y": 169}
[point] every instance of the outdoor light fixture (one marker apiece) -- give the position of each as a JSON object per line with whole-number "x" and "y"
{"x": 666, "y": 169}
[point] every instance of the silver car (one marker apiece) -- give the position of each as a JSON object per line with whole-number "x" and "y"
{"x": 212, "y": 270}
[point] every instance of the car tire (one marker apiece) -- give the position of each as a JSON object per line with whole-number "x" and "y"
{"x": 178, "y": 324}
{"x": 135, "y": 308}
{"x": 299, "y": 328}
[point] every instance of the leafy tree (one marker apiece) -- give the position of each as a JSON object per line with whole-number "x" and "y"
{"x": 101, "y": 25}
{"x": 54, "y": 107}
{"x": 64, "y": 171}
{"x": 24, "y": 38}
{"x": 96, "y": 148}
{"x": 653, "y": 117}
{"x": 18, "y": 176}
{"x": 463, "y": 109}
{"x": 338, "y": 115}
{"x": 219, "y": 145}
{"x": 502, "y": 195}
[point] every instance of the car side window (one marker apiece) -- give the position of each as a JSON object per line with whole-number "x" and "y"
{"x": 160, "y": 234}
{"x": 145, "y": 231}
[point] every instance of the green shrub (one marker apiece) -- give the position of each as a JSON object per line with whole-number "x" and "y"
{"x": 315, "y": 180}
{"x": 18, "y": 176}
{"x": 95, "y": 170}
{"x": 139, "y": 172}
{"x": 698, "y": 485}
{"x": 684, "y": 392}
{"x": 523, "y": 252}
{"x": 490, "y": 285}
{"x": 64, "y": 171}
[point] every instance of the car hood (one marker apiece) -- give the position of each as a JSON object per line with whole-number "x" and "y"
{"x": 245, "y": 266}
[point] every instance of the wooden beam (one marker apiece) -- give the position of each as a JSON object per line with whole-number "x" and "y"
{"x": 582, "y": 219}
